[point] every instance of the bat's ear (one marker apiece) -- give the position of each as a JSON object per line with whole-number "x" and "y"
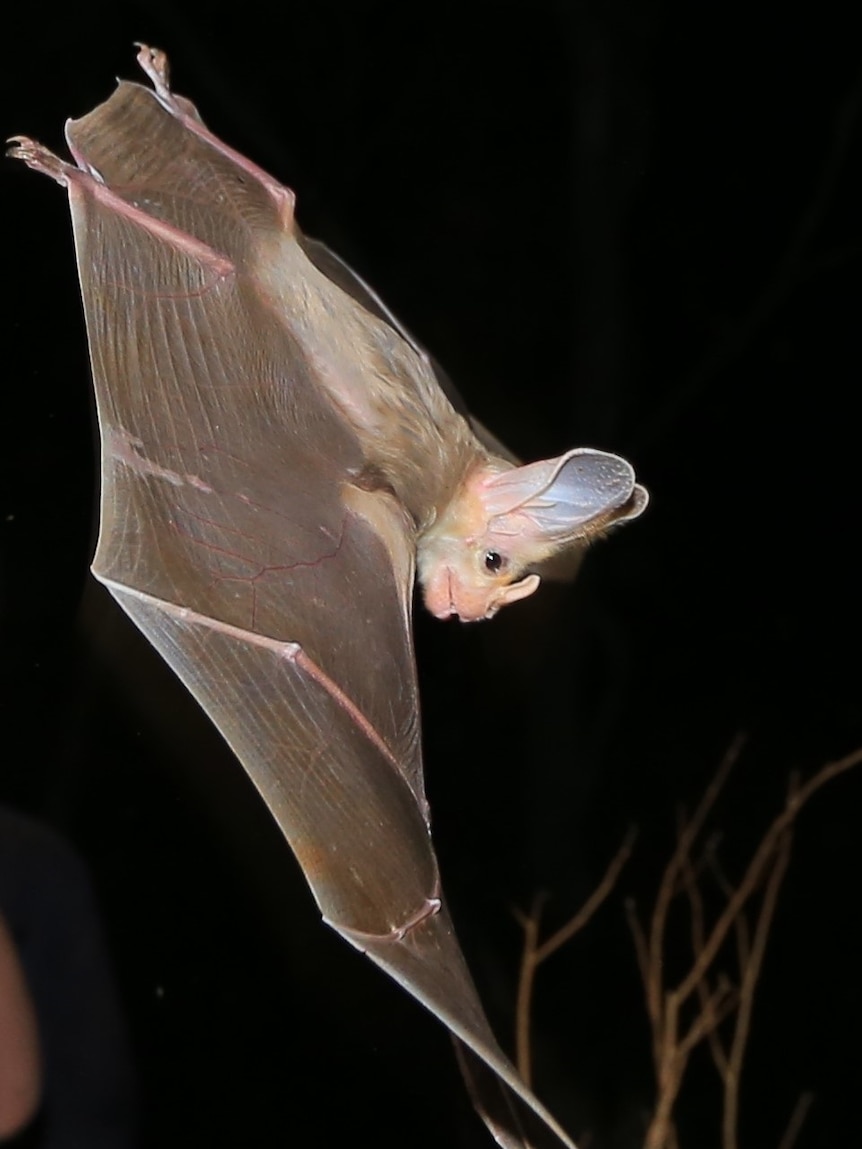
{"x": 557, "y": 501}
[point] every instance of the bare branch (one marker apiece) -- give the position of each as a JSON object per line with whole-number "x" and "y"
{"x": 740, "y": 925}
{"x": 721, "y": 1002}
{"x": 695, "y": 901}
{"x": 534, "y": 954}
{"x": 524, "y": 1007}
{"x": 750, "y": 974}
{"x": 639, "y": 939}
{"x": 753, "y": 874}
{"x": 797, "y": 1119}
{"x": 667, "y": 886}
{"x": 599, "y": 894}
{"x": 671, "y": 1049}
{"x": 674, "y": 1054}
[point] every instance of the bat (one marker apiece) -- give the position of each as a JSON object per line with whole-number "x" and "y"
{"x": 279, "y": 459}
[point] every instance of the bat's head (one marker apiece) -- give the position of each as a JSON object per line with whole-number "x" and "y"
{"x": 505, "y": 521}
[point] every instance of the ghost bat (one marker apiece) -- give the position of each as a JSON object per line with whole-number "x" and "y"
{"x": 278, "y": 458}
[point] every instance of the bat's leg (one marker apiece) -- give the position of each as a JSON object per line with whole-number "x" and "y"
{"x": 154, "y": 63}
{"x": 431, "y": 907}
{"x": 361, "y": 939}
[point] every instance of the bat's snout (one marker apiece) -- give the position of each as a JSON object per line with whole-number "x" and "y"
{"x": 448, "y": 596}
{"x": 440, "y": 595}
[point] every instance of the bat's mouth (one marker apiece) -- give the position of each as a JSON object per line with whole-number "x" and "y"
{"x": 444, "y": 601}
{"x": 440, "y": 596}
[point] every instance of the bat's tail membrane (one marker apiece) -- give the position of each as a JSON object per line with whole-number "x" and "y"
{"x": 428, "y": 963}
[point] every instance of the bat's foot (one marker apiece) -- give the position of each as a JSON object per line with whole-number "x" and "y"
{"x": 39, "y": 158}
{"x": 432, "y": 906}
{"x": 362, "y": 940}
{"x": 154, "y": 62}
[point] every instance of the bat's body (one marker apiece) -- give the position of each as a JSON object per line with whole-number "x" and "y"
{"x": 277, "y": 458}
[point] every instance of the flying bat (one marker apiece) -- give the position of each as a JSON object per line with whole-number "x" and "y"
{"x": 279, "y": 459}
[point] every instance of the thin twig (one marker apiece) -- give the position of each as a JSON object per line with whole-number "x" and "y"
{"x": 753, "y": 874}
{"x": 797, "y": 1119}
{"x": 695, "y": 901}
{"x": 743, "y": 941}
{"x": 722, "y": 1001}
{"x": 751, "y": 961}
{"x": 534, "y": 954}
{"x": 579, "y": 920}
{"x": 524, "y": 1007}
{"x": 667, "y": 887}
{"x": 640, "y": 943}
{"x": 748, "y": 985}
{"x": 675, "y": 1053}
{"x": 671, "y": 1049}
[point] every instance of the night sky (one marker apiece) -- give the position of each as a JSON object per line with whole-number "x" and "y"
{"x": 628, "y": 226}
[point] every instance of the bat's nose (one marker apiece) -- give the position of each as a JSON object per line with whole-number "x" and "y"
{"x": 439, "y": 595}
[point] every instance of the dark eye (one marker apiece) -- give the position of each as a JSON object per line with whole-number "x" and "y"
{"x": 494, "y": 561}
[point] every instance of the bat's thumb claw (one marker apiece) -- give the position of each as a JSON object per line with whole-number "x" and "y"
{"x": 154, "y": 63}
{"x": 38, "y": 157}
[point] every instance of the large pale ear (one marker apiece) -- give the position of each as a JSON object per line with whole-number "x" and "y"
{"x": 559, "y": 500}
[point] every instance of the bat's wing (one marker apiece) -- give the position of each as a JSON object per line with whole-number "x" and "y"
{"x": 279, "y": 592}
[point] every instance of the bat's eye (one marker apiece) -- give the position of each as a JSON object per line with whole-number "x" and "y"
{"x": 494, "y": 562}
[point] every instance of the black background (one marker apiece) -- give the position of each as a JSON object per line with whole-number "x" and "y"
{"x": 632, "y": 226}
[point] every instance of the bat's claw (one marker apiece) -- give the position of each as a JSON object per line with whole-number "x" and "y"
{"x": 432, "y": 906}
{"x": 154, "y": 63}
{"x": 362, "y": 940}
{"x": 39, "y": 158}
